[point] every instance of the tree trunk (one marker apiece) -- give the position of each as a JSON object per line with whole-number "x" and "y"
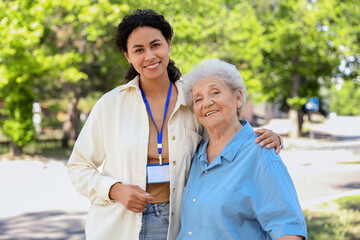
{"x": 15, "y": 150}
{"x": 294, "y": 123}
{"x": 70, "y": 127}
{"x": 295, "y": 114}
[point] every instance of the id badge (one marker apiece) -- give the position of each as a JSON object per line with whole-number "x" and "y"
{"x": 158, "y": 173}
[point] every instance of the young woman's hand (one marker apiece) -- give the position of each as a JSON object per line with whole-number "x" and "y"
{"x": 131, "y": 196}
{"x": 268, "y": 138}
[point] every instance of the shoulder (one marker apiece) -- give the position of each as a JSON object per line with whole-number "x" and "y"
{"x": 121, "y": 91}
{"x": 262, "y": 155}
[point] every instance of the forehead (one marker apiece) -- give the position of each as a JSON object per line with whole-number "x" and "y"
{"x": 208, "y": 82}
{"x": 144, "y": 35}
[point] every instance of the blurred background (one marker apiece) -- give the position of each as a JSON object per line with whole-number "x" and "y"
{"x": 300, "y": 60}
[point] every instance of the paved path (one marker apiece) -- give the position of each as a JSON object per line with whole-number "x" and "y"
{"x": 319, "y": 172}
{"x": 37, "y": 200}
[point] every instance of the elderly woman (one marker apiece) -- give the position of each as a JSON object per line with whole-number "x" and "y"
{"x": 236, "y": 189}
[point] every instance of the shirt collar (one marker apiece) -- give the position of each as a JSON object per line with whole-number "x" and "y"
{"x": 231, "y": 149}
{"x": 131, "y": 84}
{"x": 237, "y": 141}
{"x": 179, "y": 86}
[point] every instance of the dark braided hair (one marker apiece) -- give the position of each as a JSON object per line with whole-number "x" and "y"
{"x": 141, "y": 18}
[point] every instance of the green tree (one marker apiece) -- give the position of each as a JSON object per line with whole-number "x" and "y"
{"x": 228, "y": 30}
{"x": 21, "y": 63}
{"x": 301, "y": 52}
{"x": 345, "y": 98}
{"x": 85, "y": 29}
{"x": 52, "y": 50}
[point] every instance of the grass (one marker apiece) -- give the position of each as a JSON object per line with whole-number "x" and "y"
{"x": 335, "y": 220}
{"x": 349, "y": 162}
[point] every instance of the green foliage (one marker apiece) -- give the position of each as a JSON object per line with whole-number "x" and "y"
{"x": 64, "y": 49}
{"x": 334, "y": 220}
{"x": 49, "y": 49}
{"x": 296, "y": 102}
{"x": 20, "y": 64}
{"x": 345, "y": 100}
{"x": 297, "y": 45}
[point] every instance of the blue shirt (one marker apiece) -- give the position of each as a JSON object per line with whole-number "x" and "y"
{"x": 245, "y": 193}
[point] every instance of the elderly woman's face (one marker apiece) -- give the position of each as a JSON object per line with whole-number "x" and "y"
{"x": 214, "y": 103}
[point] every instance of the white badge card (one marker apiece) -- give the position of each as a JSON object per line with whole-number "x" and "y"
{"x": 158, "y": 173}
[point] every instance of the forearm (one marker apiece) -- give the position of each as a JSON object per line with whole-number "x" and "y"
{"x": 88, "y": 181}
{"x": 291, "y": 237}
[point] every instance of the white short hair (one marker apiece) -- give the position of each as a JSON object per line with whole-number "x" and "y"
{"x": 224, "y": 71}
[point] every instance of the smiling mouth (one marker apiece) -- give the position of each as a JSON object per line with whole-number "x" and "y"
{"x": 152, "y": 66}
{"x": 207, "y": 114}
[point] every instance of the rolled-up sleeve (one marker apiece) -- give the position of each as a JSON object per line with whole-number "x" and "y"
{"x": 277, "y": 207}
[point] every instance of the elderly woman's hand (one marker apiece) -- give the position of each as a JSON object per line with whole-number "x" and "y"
{"x": 268, "y": 138}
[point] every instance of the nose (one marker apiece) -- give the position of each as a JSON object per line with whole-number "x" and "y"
{"x": 208, "y": 102}
{"x": 149, "y": 55}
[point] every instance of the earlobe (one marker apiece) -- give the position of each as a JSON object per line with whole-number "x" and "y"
{"x": 169, "y": 44}
{"x": 127, "y": 57}
{"x": 238, "y": 98}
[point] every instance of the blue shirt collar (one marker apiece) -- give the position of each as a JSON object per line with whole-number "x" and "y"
{"x": 230, "y": 150}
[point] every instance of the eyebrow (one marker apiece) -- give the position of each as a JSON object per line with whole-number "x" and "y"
{"x": 155, "y": 40}
{"x": 213, "y": 85}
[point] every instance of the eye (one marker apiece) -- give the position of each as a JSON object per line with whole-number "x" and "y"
{"x": 139, "y": 50}
{"x": 196, "y": 100}
{"x": 215, "y": 92}
{"x": 155, "y": 45}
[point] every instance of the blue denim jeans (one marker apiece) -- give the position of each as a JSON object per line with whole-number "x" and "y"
{"x": 155, "y": 222}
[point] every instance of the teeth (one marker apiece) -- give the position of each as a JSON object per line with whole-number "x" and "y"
{"x": 207, "y": 114}
{"x": 153, "y": 66}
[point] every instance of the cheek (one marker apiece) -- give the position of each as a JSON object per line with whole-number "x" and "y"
{"x": 197, "y": 111}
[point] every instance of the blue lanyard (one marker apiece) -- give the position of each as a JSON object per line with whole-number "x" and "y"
{"x": 159, "y": 134}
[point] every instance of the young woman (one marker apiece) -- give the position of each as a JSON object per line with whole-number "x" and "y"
{"x": 144, "y": 135}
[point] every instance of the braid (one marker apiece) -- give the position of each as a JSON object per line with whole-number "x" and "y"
{"x": 131, "y": 73}
{"x": 173, "y": 72}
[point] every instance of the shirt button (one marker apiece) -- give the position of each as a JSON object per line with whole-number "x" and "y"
{"x": 174, "y": 162}
{"x": 194, "y": 200}
{"x": 173, "y": 189}
{"x": 172, "y": 213}
{"x": 190, "y": 233}
{"x": 173, "y": 137}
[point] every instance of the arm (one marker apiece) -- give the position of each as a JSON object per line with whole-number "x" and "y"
{"x": 270, "y": 139}
{"x": 276, "y": 206}
{"x": 88, "y": 154}
{"x": 291, "y": 237}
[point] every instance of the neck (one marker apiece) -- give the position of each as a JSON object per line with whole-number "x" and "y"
{"x": 155, "y": 88}
{"x": 220, "y": 137}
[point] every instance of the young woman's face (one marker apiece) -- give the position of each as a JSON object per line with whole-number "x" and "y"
{"x": 148, "y": 51}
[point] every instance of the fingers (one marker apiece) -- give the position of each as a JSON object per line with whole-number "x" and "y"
{"x": 137, "y": 208}
{"x": 269, "y": 142}
{"x": 144, "y": 197}
{"x": 264, "y": 138}
{"x": 268, "y": 138}
{"x": 132, "y": 197}
{"x": 277, "y": 149}
{"x": 260, "y": 131}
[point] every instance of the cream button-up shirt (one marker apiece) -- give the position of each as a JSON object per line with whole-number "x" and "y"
{"x": 116, "y": 135}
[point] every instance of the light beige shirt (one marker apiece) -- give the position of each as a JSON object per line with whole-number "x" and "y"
{"x": 116, "y": 135}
